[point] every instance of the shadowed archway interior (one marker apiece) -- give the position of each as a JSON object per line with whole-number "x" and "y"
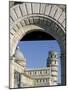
{"x": 37, "y": 35}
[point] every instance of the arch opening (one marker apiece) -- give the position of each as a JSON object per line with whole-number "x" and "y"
{"x": 34, "y": 42}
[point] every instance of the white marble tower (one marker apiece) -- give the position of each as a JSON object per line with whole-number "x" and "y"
{"x": 53, "y": 64}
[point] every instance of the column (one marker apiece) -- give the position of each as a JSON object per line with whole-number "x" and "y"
{"x": 11, "y": 73}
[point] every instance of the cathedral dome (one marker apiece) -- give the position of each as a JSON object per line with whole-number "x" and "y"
{"x": 19, "y": 55}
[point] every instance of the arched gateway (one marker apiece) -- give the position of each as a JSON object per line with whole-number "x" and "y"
{"x": 49, "y": 18}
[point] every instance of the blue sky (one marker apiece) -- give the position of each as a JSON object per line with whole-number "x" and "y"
{"x": 36, "y": 52}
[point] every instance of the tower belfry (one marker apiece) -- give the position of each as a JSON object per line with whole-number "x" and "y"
{"x": 53, "y": 64}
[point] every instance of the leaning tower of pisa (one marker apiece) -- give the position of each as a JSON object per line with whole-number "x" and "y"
{"x": 52, "y": 62}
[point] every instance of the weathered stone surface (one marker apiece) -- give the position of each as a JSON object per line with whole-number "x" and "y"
{"x": 47, "y": 10}
{"x": 23, "y": 22}
{"x": 27, "y": 21}
{"x": 42, "y": 8}
{"x": 35, "y": 7}
{"x": 28, "y": 6}
{"x": 62, "y": 17}
{"x": 12, "y": 14}
{"x": 18, "y": 12}
{"x": 64, "y": 24}
{"x": 23, "y": 9}
{"x": 53, "y": 10}
{"x": 58, "y": 13}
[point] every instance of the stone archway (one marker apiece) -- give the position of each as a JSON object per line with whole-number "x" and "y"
{"x": 25, "y": 17}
